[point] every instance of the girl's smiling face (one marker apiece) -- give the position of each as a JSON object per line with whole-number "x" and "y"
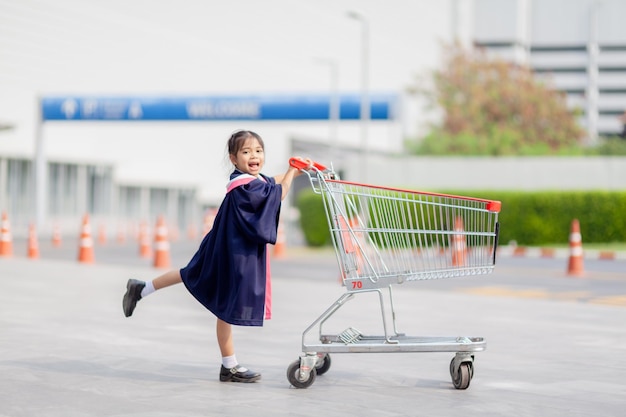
{"x": 250, "y": 158}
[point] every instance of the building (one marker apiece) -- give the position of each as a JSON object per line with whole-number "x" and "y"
{"x": 104, "y": 55}
{"x": 52, "y": 171}
{"x": 579, "y": 46}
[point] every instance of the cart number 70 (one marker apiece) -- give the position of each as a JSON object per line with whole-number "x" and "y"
{"x": 357, "y": 285}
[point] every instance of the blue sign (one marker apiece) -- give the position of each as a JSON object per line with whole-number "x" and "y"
{"x": 273, "y": 107}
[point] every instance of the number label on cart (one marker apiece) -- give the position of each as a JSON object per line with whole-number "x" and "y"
{"x": 357, "y": 285}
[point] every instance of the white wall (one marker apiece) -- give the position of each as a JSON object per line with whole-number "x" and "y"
{"x": 502, "y": 173}
{"x": 124, "y": 47}
{"x": 179, "y": 47}
{"x": 189, "y": 154}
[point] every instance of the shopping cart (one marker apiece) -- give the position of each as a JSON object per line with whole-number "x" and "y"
{"x": 384, "y": 236}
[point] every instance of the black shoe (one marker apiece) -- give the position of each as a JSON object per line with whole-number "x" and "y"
{"x": 133, "y": 294}
{"x": 235, "y": 375}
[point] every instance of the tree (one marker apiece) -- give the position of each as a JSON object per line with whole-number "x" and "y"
{"x": 495, "y": 107}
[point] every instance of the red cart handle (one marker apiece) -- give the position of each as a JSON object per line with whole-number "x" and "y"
{"x": 300, "y": 164}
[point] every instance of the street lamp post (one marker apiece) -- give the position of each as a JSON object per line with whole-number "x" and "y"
{"x": 593, "y": 51}
{"x": 334, "y": 107}
{"x": 365, "y": 102}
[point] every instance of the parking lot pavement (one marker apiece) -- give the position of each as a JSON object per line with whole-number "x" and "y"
{"x": 66, "y": 349}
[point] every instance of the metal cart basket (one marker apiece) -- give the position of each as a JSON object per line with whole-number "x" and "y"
{"x": 384, "y": 236}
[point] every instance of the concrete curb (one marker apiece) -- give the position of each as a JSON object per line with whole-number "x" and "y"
{"x": 539, "y": 252}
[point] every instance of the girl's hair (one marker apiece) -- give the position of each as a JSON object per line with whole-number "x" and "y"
{"x": 238, "y": 138}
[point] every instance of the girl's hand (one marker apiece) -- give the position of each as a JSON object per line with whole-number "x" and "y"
{"x": 293, "y": 171}
{"x": 307, "y": 161}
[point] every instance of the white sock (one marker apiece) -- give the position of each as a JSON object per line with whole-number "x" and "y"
{"x": 148, "y": 289}
{"x": 230, "y": 362}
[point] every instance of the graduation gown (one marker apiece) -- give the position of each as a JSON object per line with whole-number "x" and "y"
{"x": 229, "y": 274}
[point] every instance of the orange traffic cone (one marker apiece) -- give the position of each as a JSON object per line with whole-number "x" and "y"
{"x": 209, "y": 218}
{"x": 145, "y": 248}
{"x": 192, "y": 233}
{"x": 33, "y": 244}
{"x": 132, "y": 230}
{"x": 575, "y": 265}
{"x": 121, "y": 234}
{"x": 350, "y": 239}
{"x": 161, "y": 245}
{"x": 6, "y": 241}
{"x": 281, "y": 243}
{"x": 56, "y": 235}
{"x": 459, "y": 247}
{"x": 102, "y": 235}
{"x": 85, "y": 251}
{"x": 174, "y": 233}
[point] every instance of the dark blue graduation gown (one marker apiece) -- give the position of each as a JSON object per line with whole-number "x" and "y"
{"x": 228, "y": 272}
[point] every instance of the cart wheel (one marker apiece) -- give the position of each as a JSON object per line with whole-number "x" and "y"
{"x": 471, "y": 368}
{"x": 323, "y": 364}
{"x": 293, "y": 375}
{"x": 463, "y": 376}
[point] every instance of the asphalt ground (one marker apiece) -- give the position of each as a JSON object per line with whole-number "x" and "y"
{"x": 556, "y": 344}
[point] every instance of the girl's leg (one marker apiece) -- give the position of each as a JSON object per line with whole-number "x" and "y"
{"x": 231, "y": 371}
{"x": 225, "y": 338}
{"x": 169, "y": 278}
{"x": 136, "y": 290}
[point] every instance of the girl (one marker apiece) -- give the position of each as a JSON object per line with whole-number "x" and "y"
{"x": 229, "y": 272}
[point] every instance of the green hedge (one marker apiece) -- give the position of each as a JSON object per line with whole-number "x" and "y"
{"x": 536, "y": 218}
{"x": 313, "y": 219}
{"x": 530, "y": 218}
